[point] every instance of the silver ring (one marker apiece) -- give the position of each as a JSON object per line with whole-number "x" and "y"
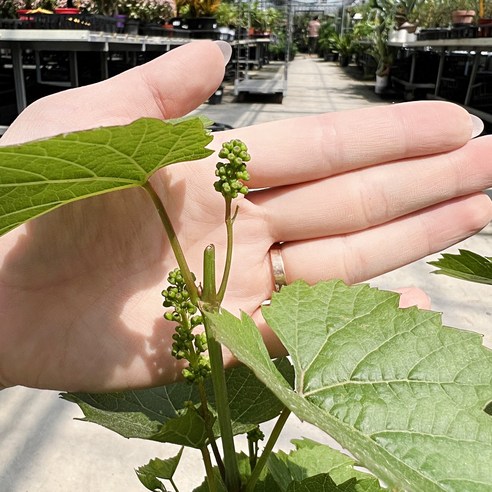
{"x": 278, "y": 268}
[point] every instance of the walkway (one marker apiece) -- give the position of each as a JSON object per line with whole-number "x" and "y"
{"x": 314, "y": 87}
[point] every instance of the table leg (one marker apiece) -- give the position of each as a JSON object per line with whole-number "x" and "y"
{"x": 74, "y": 69}
{"x": 440, "y": 71}
{"x": 104, "y": 65}
{"x": 473, "y": 76}
{"x": 20, "y": 86}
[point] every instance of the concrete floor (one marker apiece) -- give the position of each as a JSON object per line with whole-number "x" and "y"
{"x": 43, "y": 449}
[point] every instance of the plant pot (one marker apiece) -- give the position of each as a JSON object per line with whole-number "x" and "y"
{"x": 216, "y": 97}
{"x": 23, "y": 14}
{"x": 344, "y": 60}
{"x": 120, "y": 21}
{"x": 131, "y": 26}
{"x": 201, "y": 23}
{"x": 485, "y": 27}
{"x": 67, "y": 11}
{"x": 381, "y": 84}
{"x": 462, "y": 16}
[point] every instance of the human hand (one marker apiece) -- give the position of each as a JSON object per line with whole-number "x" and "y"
{"x": 351, "y": 195}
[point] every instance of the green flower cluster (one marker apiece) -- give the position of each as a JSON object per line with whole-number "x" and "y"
{"x": 186, "y": 345}
{"x": 255, "y": 435}
{"x": 232, "y": 174}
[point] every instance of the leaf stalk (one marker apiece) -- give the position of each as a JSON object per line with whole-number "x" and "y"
{"x": 173, "y": 240}
{"x": 272, "y": 439}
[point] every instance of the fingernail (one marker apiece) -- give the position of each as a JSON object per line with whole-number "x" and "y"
{"x": 226, "y": 50}
{"x": 477, "y": 126}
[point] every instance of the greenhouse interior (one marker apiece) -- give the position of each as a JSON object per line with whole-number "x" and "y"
{"x": 409, "y": 49}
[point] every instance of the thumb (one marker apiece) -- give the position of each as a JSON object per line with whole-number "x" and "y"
{"x": 168, "y": 87}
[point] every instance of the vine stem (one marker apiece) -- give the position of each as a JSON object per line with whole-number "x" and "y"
{"x": 174, "y": 485}
{"x": 173, "y": 240}
{"x": 277, "y": 429}
{"x": 210, "y": 302}
{"x": 229, "y": 221}
{"x": 212, "y": 485}
{"x": 209, "y": 429}
{"x": 194, "y": 296}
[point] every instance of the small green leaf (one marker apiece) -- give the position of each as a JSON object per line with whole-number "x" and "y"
{"x": 150, "y": 473}
{"x": 163, "y": 468}
{"x": 310, "y": 459}
{"x": 466, "y": 266}
{"x": 324, "y": 483}
{"x": 319, "y": 483}
{"x": 186, "y": 430}
{"x": 150, "y": 482}
{"x": 220, "y": 487}
{"x": 39, "y": 176}
{"x": 405, "y": 395}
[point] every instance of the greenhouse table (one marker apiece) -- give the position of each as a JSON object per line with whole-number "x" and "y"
{"x": 474, "y": 46}
{"x": 73, "y": 41}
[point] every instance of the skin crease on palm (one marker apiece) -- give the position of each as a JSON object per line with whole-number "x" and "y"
{"x": 352, "y": 195}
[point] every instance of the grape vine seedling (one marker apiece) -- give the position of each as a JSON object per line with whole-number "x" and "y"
{"x": 407, "y": 397}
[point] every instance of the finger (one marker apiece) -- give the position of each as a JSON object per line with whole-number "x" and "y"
{"x": 366, "y": 254}
{"x": 372, "y": 196}
{"x": 167, "y": 87}
{"x": 303, "y": 149}
{"x": 412, "y": 296}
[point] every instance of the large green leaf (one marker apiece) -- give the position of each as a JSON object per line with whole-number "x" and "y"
{"x": 39, "y": 176}
{"x": 402, "y": 393}
{"x": 311, "y": 458}
{"x": 137, "y": 414}
{"x": 466, "y": 265}
{"x": 141, "y": 413}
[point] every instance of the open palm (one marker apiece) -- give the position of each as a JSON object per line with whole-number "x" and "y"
{"x": 350, "y": 195}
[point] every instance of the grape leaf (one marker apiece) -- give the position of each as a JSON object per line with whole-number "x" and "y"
{"x": 405, "y": 395}
{"x": 311, "y": 458}
{"x": 187, "y": 429}
{"x": 324, "y": 483}
{"x": 155, "y": 469}
{"x": 141, "y": 413}
{"x": 466, "y": 266}
{"x": 39, "y": 176}
{"x": 134, "y": 414}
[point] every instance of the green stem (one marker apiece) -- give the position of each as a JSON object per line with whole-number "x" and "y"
{"x": 209, "y": 294}
{"x": 232, "y": 478}
{"x": 229, "y": 221}
{"x": 252, "y": 454}
{"x": 209, "y": 428}
{"x": 212, "y": 485}
{"x": 174, "y": 485}
{"x": 173, "y": 239}
{"x": 279, "y": 425}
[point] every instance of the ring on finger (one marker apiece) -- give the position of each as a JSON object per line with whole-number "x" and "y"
{"x": 278, "y": 269}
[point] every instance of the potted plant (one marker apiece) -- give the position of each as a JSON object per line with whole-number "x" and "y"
{"x": 344, "y": 46}
{"x": 9, "y": 8}
{"x": 382, "y": 17}
{"x": 325, "y": 41}
{"x": 199, "y": 14}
